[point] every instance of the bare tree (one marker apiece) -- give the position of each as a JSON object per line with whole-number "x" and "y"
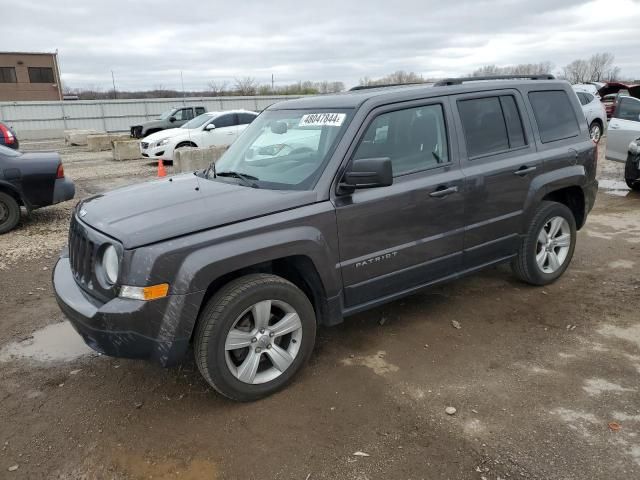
{"x": 520, "y": 69}
{"x": 336, "y": 87}
{"x": 217, "y": 89}
{"x": 600, "y": 64}
{"x": 399, "y": 76}
{"x": 599, "y": 67}
{"x": 577, "y": 71}
{"x": 246, "y": 86}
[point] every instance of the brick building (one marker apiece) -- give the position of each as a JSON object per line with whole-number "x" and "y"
{"x": 29, "y": 76}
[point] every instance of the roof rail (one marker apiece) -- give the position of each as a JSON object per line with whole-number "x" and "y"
{"x": 386, "y": 85}
{"x": 461, "y": 80}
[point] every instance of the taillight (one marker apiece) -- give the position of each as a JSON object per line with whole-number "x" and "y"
{"x": 60, "y": 171}
{"x": 7, "y": 135}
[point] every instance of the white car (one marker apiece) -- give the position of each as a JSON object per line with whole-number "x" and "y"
{"x": 624, "y": 128}
{"x": 212, "y": 129}
{"x": 594, "y": 112}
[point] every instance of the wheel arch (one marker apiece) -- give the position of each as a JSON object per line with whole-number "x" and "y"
{"x": 297, "y": 269}
{"x": 10, "y": 189}
{"x": 573, "y": 197}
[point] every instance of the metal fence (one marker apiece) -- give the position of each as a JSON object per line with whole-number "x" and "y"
{"x": 50, "y": 119}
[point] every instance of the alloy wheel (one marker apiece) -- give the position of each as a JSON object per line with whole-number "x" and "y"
{"x": 595, "y": 132}
{"x": 263, "y": 342}
{"x": 554, "y": 242}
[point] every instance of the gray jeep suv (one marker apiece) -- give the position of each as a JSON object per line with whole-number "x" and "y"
{"x": 174, "y": 118}
{"x": 324, "y": 207}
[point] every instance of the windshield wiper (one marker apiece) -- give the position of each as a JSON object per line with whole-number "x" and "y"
{"x": 245, "y": 178}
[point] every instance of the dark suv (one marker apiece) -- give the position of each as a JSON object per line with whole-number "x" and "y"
{"x": 324, "y": 207}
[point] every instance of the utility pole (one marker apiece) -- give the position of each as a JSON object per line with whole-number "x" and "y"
{"x": 183, "y": 93}
{"x": 115, "y": 92}
{"x": 273, "y": 90}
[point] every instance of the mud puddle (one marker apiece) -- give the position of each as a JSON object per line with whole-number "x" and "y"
{"x": 614, "y": 187}
{"x": 54, "y": 343}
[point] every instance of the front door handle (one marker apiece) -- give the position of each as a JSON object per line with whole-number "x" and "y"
{"x": 443, "y": 191}
{"x": 614, "y": 127}
{"x": 524, "y": 170}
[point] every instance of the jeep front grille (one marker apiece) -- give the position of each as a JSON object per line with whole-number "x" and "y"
{"x": 82, "y": 253}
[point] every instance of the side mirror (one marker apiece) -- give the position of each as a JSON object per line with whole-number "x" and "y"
{"x": 210, "y": 127}
{"x": 367, "y": 173}
{"x": 172, "y": 119}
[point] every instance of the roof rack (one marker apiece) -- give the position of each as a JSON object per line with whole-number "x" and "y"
{"x": 461, "y": 80}
{"x": 386, "y": 85}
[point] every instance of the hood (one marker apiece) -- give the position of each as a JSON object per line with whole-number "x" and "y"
{"x": 171, "y": 132}
{"x": 159, "y": 210}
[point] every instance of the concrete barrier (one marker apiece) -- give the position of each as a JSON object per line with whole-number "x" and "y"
{"x": 102, "y": 142}
{"x": 77, "y": 137}
{"x": 126, "y": 150}
{"x": 190, "y": 159}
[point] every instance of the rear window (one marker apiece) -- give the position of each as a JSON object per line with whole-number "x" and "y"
{"x": 491, "y": 125}
{"x": 554, "y": 115}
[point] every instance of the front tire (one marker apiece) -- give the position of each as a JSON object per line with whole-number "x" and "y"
{"x": 547, "y": 248}
{"x": 9, "y": 213}
{"x": 595, "y": 131}
{"x": 633, "y": 184}
{"x": 254, "y": 336}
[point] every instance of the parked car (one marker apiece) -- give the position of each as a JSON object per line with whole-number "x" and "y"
{"x": 173, "y": 118}
{"x": 609, "y": 102}
{"x": 632, "y": 166}
{"x": 594, "y": 112}
{"x": 206, "y": 130}
{"x": 30, "y": 180}
{"x": 624, "y": 129}
{"x": 404, "y": 188}
{"x": 8, "y": 137}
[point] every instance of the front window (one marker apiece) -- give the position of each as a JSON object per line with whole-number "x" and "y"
{"x": 284, "y": 149}
{"x": 197, "y": 122}
{"x": 165, "y": 115}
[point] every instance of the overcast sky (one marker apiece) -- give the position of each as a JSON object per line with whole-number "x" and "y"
{"x": 148, "y": 43}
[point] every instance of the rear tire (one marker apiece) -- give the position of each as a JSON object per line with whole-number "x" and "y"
{"x": 9, "y": 213}
{"x": 633, "y": 184}
{"x": 547, "y": 248}
{"x": 254, "y": 336}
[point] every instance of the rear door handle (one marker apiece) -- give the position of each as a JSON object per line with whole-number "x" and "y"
{"x": 524, "y": 170}
{"x": 443, "y": 191}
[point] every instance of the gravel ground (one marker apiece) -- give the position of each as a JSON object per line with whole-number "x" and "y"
{"x": 544, "y": 380}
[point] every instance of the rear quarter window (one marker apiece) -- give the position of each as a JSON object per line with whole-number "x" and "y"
{"x": 554, "y": 115}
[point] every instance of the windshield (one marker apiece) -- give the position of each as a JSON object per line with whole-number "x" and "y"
{"x": 284, "y": 149}
{"x": 198, "y": 121}
{"x": 9, "y": 152}
{"x": 166, "y": 114}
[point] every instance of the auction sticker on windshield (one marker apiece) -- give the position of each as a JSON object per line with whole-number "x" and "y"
{"x": 322, "y": 119}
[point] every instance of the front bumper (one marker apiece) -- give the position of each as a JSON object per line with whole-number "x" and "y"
{"x": 155, "y": 152}
{"x": 632, "y": 167}
{"x": 158, "y": 330}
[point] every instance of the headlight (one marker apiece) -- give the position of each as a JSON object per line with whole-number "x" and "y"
{"x": 111, "y": 264}
{"x": 164, "y": 141}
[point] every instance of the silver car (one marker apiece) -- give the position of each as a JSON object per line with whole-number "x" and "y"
{"x": 594, "y": 112}
{"x": 624, "y": 128}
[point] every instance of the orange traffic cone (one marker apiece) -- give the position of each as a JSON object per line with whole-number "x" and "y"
{"x": 161, "y": 171}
